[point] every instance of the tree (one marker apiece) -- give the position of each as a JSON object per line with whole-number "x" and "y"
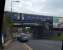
{"x": 7, "y": 27}
{"x": 8, "y": 21}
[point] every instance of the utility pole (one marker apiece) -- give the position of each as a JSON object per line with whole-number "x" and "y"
{"x": 2, "y": 4}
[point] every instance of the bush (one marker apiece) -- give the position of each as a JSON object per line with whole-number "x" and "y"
{"x": 8, "y": 21}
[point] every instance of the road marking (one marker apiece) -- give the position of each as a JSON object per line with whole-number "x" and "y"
{"x": 27, "y": 47}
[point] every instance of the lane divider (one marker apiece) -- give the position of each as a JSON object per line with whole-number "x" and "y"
{"x": 27, "y": 47}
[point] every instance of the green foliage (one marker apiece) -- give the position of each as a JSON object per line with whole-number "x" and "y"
{"x": 56, "y": 37}
{"x": 27, "y": 30}
{"x": 8, "y": 21}
{"x": 24, "y": 30}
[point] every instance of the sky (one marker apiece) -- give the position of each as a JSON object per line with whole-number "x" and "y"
{"x": 39, "y": 7}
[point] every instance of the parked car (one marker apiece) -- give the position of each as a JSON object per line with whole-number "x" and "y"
{"x": 23, "y": 37}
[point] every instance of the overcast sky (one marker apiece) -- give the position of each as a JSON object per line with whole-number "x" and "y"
{"x": 41, "y": 7}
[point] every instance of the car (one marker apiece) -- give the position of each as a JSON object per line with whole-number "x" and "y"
{"x": 23, "y": 37}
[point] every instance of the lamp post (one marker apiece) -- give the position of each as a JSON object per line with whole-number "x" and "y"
{"x": 17, "y": 1}
{"x": 12, "y": 4}
{"x": 11, "y": 8}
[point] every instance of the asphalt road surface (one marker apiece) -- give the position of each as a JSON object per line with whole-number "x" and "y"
{"x": 36, "y": 45}
{"x": 45, "y": 45}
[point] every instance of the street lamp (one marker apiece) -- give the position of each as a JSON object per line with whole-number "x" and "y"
{"x": 11, "y": 8}
{"x": 12, "y": 4}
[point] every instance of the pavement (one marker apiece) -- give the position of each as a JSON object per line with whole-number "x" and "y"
{"x": 18, "y": 46}
{"x": 7, "y": 43}
{"x": 36, "y": 45}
